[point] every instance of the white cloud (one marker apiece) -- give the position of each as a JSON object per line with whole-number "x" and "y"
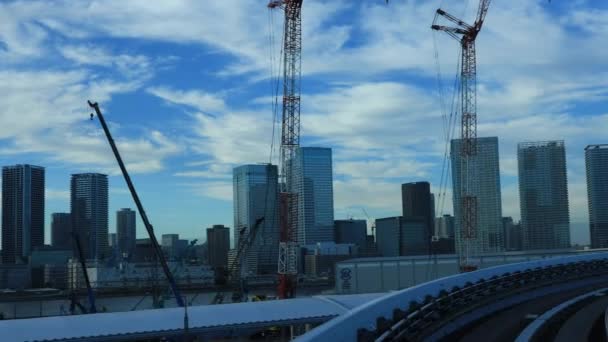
{"x": 128, "y": 65}
{"x": 46, "y": 112}
{"x": 219, "y": 190}
{"x": 205, "y": 102}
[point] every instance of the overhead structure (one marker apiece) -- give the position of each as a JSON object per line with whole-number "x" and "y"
{"x": 290, "y": 141}
{"x": 466, "y": 34}
{"x": 158, "y": 251}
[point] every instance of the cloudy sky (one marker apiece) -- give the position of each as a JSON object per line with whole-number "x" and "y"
{"x": 188, "y": 86}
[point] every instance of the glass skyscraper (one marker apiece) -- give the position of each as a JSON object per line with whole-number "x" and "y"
{"x": 417, "y": 201}
{"x": 485, "y": 185}
{"x": 596, "y": 161}
{"x": 125, "y": 232}
{"x": 89, "y": 205}
{"x": 255, "y": 193}
{"x": 543, "y": 194}
{"x": 22, "y": 211}
{"x": 313, "y": 184}
{"x": 218, "y": 245}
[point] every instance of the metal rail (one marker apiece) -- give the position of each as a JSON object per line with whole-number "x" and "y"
{"x": 159, "y": 253}
{"x": 534, "y": 328}
{"x": 430, "y": 302}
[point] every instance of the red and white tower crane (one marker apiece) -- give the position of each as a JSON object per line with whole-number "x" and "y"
{"x": 290, "y": 141}
{"x": 466, "y": 34}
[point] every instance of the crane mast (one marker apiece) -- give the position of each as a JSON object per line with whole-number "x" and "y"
{"x": 467, "y": 35}
{"x": 290, "y": 141}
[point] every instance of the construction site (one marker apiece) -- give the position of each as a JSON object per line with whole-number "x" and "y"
{"x": 275, "y": 260}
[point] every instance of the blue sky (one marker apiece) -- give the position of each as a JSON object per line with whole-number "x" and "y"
{"x": 187, "y": 86}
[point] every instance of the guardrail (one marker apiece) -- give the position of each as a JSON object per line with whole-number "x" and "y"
{"x": 537, "y": 325}
{"x": 408, "y": 312}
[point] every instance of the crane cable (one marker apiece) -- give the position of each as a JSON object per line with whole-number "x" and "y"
{"x": 449, "y": 125}
{"x": 251, "y": 234}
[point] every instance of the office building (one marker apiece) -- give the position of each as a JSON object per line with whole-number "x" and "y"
{"x": 596, "y": 162}
{"x": 89, "y": 207}
{"x": 320, "y": 259}
{"x": 218, "y": 245}
{"x": 543, "y": 195}
{"x": 144, "y": 251}
{"x": 513, "y": 235}
{"x": 313, "y": 184}
{"x": 351, "y": 231}
{"x": 126, "y": 232}
{"x": 484, "y": 180}
{"x": 397, "y": 236}
{"x": 417, "y": 201}
{"x": 255, "y": 193}
{"x": 173, "y": 247}
{"x": 444, "y": 226}
{"x": 22, "y": 211}
{"x": 113, "y": 240}
{"x": 443, "y": 245}
{"x": 61, "y": 230}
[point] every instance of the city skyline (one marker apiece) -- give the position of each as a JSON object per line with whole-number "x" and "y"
{"x": 181, "y": 135}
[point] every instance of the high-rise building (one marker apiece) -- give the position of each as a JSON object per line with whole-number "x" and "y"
{"x": 351, "y": 231}
{"x": 218, "y": 245}
{"x": 513, "y": 235}
{"x": 484, "y": 180}
{"x": 126, "y": 232}
{"x": 61, "y": 230}
{"x": 417, "y": 201}
{"x": 89, "y": 206}
{"x": 255, "y": 191}
{"x": 596, "y": 161}
{"x": 543, "y": 194}
{"x": 22, "y": 211}
{"x": 388, "y": 235}
{"x": 170, "y": 245}
{"x": 112, "y": 240}
{"x": 396, "y": 236}
{"x": 313, "y": 184}
{"x": 444, "y": 226}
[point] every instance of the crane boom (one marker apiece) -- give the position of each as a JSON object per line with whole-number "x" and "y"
{"x": 159, "y": 253}
{"x": 467, "y": 35}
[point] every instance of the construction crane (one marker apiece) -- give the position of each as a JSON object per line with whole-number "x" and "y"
{"x": 235, "y": 270}
{"x": 157, "y": 249}
{"x": 466, "y": 34}
{"x": 74, "y": 301}
{"x": 373, "y": 222}
{"x": 290, "y": 141}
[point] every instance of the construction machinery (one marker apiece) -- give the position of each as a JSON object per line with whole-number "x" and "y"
{"x": 73, "y": 297}
{"x": 290, "y": 141}
{"x": 466, "y": 34}
{"x": 157, "y": 249}
{"x": 236, "y": 270}
{"x": 372, "y": 220}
